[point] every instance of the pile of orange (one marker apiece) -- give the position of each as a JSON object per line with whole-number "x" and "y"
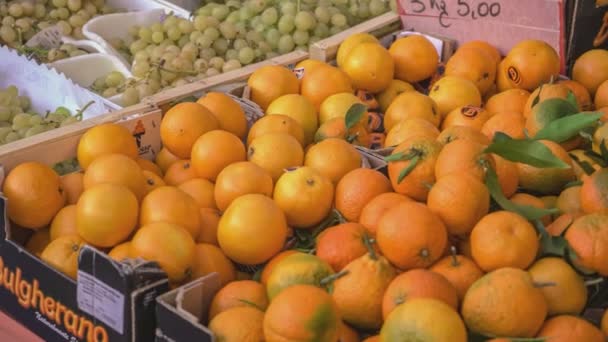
{"x": 418, "y": 250}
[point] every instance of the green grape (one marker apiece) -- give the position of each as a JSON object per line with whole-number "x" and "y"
{"x": 77, "y": 21}
{"x": 190, "y": 51}
{"x": 183, "y": 40}
{"x": 157, "y": 37}
{"x": 263, "y": 47}
{"x": 54, "y": 118}
{"x": 200, "y": 65}
{"x": 259, "y": 53}
{"x": 254, "y": 37}
{"x": 143, "y": 55}
{"x": 270, "y": 16}
{"x": 7, "y": 34}
{"x": 339, "y": 20}
{"x": 154, "y": 85}
{"x": 286, "y": 24}
{"x": 300, "y": 37}
{"x": 21, "y": 120}
{"x": 195, "y": 35}
{"x": 11, "y": 137}
{"x": 8, "y": 21}
{"x": 333, "y": 10}
{"x": 130, "y": 96}
{"x": 28, "y": 8}
{"x": 170, "y": 21}
{"x": 255, "y": 21}
{"x": 256, "y": 6}
{"x": 63, "y": 13}
{"x": 260, "y": 27}
{"x": 212, "y": 72}
{"x": 4, "y": 131}
{"x": 145, "y": 34}
{"x": 220, "y": 46}
{"x": 22, "y": 131}
{"x": 204, "y": 42}
{"x": 24, "y": 24}
{"x": 24, "y": 102}
{"x": 174, "y": 33}
{"x": 216, "y": 63}
{"x": 200, "y": 23}
{"x": 144, "y": 90}
{"x": 207, "y": 53}
{"x": 321, "y": 30}
{"x": 322, "y": 15}
{"x": 335, "y": 30}
{"x": 246, "y": 55}
{"x": 39, "y": 11}
{"x": 313, "y": 40}
{"x": 245, "y": 13}
{"x": 377, "y": 7}
{"x": 156, "y": 27}
{"x": 114, "y": 79}
{"x": 286, "y": 44}
{"x": 220, "y": 12}
{"x": 74, "y": 5}
{"x": 37, "y": 129}
{"x": 205, "y": 10}
{"x": 67, "y": 47}
{"x": 173, "y": 49}
{"x": 140, "y": 69}
{"x": 69, "y": 120}
{"x": 185, "y": 26}
{"x": 212, "y": 33}
{"x": 15, "y": 10}
{"x": 304, "y": 21}
{"x": 137, "y": 45}
{"x": 353, "y": 9}
{"x": 233, "y": 17}
{"x": 228, "y": 30}
{"x": 271, "y": 54}
{"x": 239, "y": 43}
{"x": 272, "y": 37}
{"x": 109, "y": 92}
{"x": 231, "y": 65}
{"x": 35, "y": 120}
{"x": 232, "y": 54}
{"x": 289, "y": 8}
{"x": 5, "y": 113}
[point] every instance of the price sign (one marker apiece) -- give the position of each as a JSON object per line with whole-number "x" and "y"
{"x": 501, "y": 22}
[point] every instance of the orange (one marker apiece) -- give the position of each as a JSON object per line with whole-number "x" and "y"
{"x": 480, "y": 45}
{"x": 604, "y": 323}
{"x": 424, "y": 152}
{"x": 466, "y": 116}
{"x": 72, "y": 186}
{"x": 532, "y": 201}
{"x": 106, "y": 214}
{"x": 511, "y": 100}
{"x": 451, "y": 92}
{"x": 337, "y": 105}
{"x": 370, "y": 67}
{"x": 183, "y": 124}
{"x": 348, "y": 334}
{"x": 587, "y": 236}
{"x": 252, "y": 229}
{"x": 322, "y": 82}
{"x": 407, "y": 128}
{"x": 394, "y": 89}
{"x": 591, "y": 69}
{"x": 179, "y": 172}
{"x": 238, "y": 293}
{"x": 336, "y": 128}
{"x": 356, "y": 189}
{"x": 172, "y": 205}
{"x": 411, "y": 104}
{"x": 333, "y": 158}
{"x": 453, "y": 133}
{"x": 227, "y": 111}
{"x": 34, "y": 195}
{"x": 475, "y": 65}
{"x": 510, "y": 123}
{"x": 62, "y": 254}
{"x": 209, "y": 259}
{"x": 375, "y": 338}
{"x": 64, "y": 223}
{"x": 529, "y": 64}
{"x": 121, "y": 252}
{"x": 352, "y": 41}
{"x": 566, "y": 328}
{"x": 210, "y": 218}
{"x": 547, "y": 180}
{"x": 269, "y": 267}
{"x": 376, "y": 207}
{"x": 601, "y": 95}
{"x": 568, "y": 294}
{"x": 238, "y": 179}
{"x": 170, "y": 245}
{"x": 593, "y": 192}
{"x": 569, "y": 200}
{"x": 410, "y": 236}
{"x": 504, "y": 302}
{"x": 415, "y": 57}
{"x": 600, "y": 136}
{"x": 245, "y": 323}
{"x": 148, "y": 165}
{"x": 307, "y": 64}
{"x": 560, "y": 224}
{"x": 583, "y": 98}
{"x": 460, "y": 271}
{"x": 423, "y": 317}
{"x": 460, "y": 201}
{"x": 545, "y": 92}
{"x": 38, "y": 241}
{"x": 215, "y": 150}
{"x": 418, "y": 283}
{"x": 341, "y": 244}
{"x": 103, "y": 139}
{"x": 277, "y": 123}
{"x": 503, "y": 239}
{"x": 465, "y": 156}
{"x": 153, "y": 181}
{"x": 300, "y": 109}
{"x": 201, "y": 190}
{"x": 275, "y": 152}
{"x": 298, "y": 268}
{"x": 359, "y": 292}
{"x": 116, "y": 169}
{"x": 270, "y": 82}
{"x": 302, "y": 313}
{"x": 164, "y": 159}
{"x": 304, "y": 195}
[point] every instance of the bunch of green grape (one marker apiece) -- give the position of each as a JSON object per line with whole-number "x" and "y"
{"x": 20, "y": 20}
{"x": 18, "y": 120}
{"x": 110, "y": 84}
{"x": 43, "y": 55}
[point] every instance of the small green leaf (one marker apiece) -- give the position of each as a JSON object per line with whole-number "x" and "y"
{"x": 565, "y": 128}
{"x": 401, "y": 156}
{"x": 354, "y": 115}
{"x": 571, "y": 98}
{"x": 258, "y": 274}
{"x": 596, "y": 158}
{"x": 573, "y": 183}
{"x": 537, "y": 98}
{"x": 529, "y": 152}
{"x": 407, "y": 170}
{"x": 550, "y": 245}
{"x": 529, "y": 212}
{"x": 250, "y": 303}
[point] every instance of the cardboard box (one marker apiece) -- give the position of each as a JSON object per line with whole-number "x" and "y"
{"x": 502, "y": 23}
{"x": 109, "y": 301}
{"x": 588, "y": 29}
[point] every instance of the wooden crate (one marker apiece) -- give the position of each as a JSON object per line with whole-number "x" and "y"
{"x": 383, "y": 26}
{"x": 194, "y": 89}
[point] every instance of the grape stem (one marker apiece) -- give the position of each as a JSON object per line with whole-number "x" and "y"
{"x": 80, "y": 112}
{"x": 163, "y": 68}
